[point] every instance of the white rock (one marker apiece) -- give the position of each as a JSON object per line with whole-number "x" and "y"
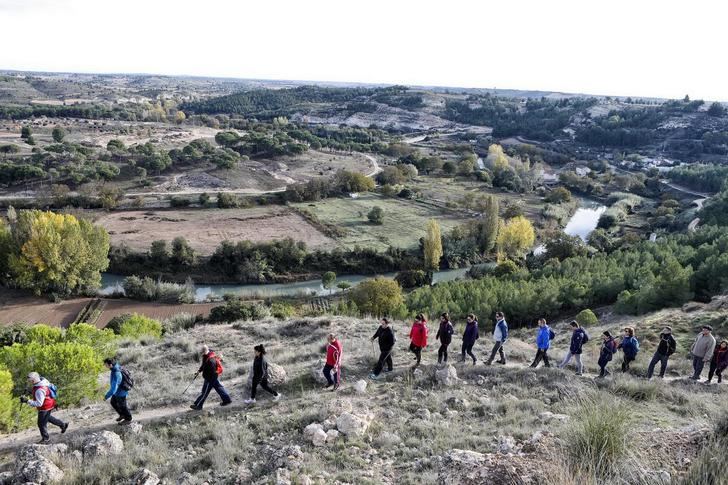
{"x": 276, "y": 375}
{"x": 104, "y": 443}
{"x": 360, "y": 386}
{"x": 311, "y": 429}
{"x": 40, "y": 470}
{"x": 135, "y": 428}
{"x": 317, "y": 372}
{"x": 506, "y": 444}
{"x": 145, "y": 477}
{"x": 330, "y": 423}
{"x": 337, "y": 406}
{"x": 319, "y": 437}
{"x": 332, "y": 435}
{"x": 352, "y": 425}
{"x": 446, "y": 376}
{"x": 283, "y": 477}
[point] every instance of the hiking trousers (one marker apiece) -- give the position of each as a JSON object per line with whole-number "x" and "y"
{"x": 45, "y": 417}
{"x": 662, "y": 359}
{"x": 497, "y": 348}
{"x": 208, "y": 386}
{"x": 418, "y": 353}
{"x": 698, "y": 365}
{"x": 263, "y": 383}
{"x": 541, "y": 354}
{"x": 567, "y": 359}
{"x": 119, "y": 405}
{"x": 468, "y": 349}
{"x": 714, "y": 371}
{"x": 442, "y": 353}
{"x": 385, "y": 357}
{"x": 626, "y": 361}
{"x": 327, "y": 374}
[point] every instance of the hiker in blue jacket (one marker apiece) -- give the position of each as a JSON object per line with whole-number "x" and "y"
{"x": 470, "y": 335}
{"x": 578, "y": 338}
{"x": 630, "y": 346}
{"x": 609, "y": 348}
{"x": 500, "y": 335}
{"x": 117, "y": 392}
{"x": 543, "y": 342}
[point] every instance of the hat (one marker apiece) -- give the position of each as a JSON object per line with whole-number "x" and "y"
{"x": 707, "y": 327}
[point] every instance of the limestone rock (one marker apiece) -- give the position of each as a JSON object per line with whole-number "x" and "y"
{"x": 332, "y": 435}
{"x": 351, "y": 424}
{"x": 317, "y": 372}
{"x": 145, "y": 477}
{"x": 446, "y": 376}
{"x": 338, "y": 406}
{"x": 32, "y": 452}
{"x": 276, "y": 375}
{"x": 105, "y": 443}
{"x": 360, "y": 386}
{"x": 319, "y": 437}
{"x": 311, "y": 430}
{"x": 40, "y": 470}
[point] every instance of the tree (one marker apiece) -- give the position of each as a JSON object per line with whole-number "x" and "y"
{"x": 179, "y": 117}
{"x": 204, "y": 199}
{"x": 226, "y": 200}
{"x": 449, "y": 168}
{"x": 182, "y": 253}
{"x": 564, "y": 246}
{"x": 328, "y": 279}
{"x": 432, "y": 245}
{"x": 488, "y": 224}
{"x": 158, "y": 252}
{"x": 58, "y": 134}
{"x": 343, "y": 286}
{"x": 25, "y": 132}
{"x": 515, "y": 237}
{"x": 109, "y": 197}
{"x": 376, "y": 215}
{"x": 587, "y": 318}
{"x": 559, "y": 195}
{"x": 56, "y": 253}
{"x": 716, "y": 109}
{"x": 378, "y": 297}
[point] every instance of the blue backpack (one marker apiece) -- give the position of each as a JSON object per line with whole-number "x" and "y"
{"x": 53, "y": 390}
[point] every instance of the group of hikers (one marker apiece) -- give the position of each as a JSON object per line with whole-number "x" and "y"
{"x": 704, "y": 351}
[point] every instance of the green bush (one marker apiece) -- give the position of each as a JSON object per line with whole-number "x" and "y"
{"x": 281, "y": 311}
{"x": 505, "y": 268}
{"x": 235, "y": 309}
{"x": 43, "y": 334}
{"x": 13, "y": 415}
{"x": 73, "y": 367}
{"x": 379, "y": 297}
{"x": 102, "y": 341}
{"x": 586, "y": 318}
{"x": 137, "y": 326}
{"x": 16, "y": 333}
{"x": 180, "y": 321}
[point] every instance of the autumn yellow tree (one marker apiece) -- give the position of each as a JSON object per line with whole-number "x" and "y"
{"x": 56, "y": 253}
{"x": 496, "y": 157}
{"x": 432, "y": 245}
{"x": 515, "y": 237}
{"x": 378, "y": 297}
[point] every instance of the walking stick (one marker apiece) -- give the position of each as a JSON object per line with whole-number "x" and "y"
{"x": 188, "y": 385}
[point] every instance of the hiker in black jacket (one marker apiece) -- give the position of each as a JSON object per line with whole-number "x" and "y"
{"x": 444, "y": 335}
{"x": 385, "y": 335}
{"x": 665, "y": 349}
{"x": 260, "y": 375}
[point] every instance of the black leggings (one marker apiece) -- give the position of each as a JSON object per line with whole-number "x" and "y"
{"x": 418, "y": 353}
{"x": 442, "y": 353}
{"x": 264, "y": 384}
{"x": 714, "y": 371}
{"x": 541, "y": 354}
{"x": 625, "y": 363}
{"x": 468, "y": 349}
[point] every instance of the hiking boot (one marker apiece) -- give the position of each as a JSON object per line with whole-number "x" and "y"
{"x": 501, "y": 362}
{"x": 388, "y": 370}
{"x": 196, "y": 408}
{"x": 64, "y": 428}
{"x": 488, "y": 362}
{"x": 336, "y": 386}
{"x": 249, "y": 401}
{"x": 475, "y": 361}
{"x": 277, "y": 397}
{"x": 373, "y": 376}
{"x": 226, "y": 403}
{"x": 44, "y": 441}
{"x": 120, "y": 419}
{"x": 125, "y": 422}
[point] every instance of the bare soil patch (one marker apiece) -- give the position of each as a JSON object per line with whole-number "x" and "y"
{"x": 206, "y": 229}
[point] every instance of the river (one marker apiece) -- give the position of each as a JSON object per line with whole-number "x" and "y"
{"x": 582, "y": 223}
{"x": 111, "y": 283}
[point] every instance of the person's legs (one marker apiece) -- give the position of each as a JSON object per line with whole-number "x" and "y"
{"x": 254, "y": 388}
{"x": 566, "y": 360}
{"x": 719, "y": 373}
{"x": 441, "y": 352}
{"x": 502, "y": 354}
{"x": 327, "y": 374}
{"x": 545, "y": 355}
{"x": 264, "y": 385}
{"x": 711, "y": 370}
{"x": 579, "y": 365}
{"x": 220, "y": 389}
{"x": 651, "y": 367}
{"x": 380, "y": 363}
{"x": 54, "y": 420}
{"x": 537, "y": 359}
{"x": 444, "y": 352}
{"x": 206, "y": 388}
{"x": 698, "y": 365}
{"x": 119, "y": 404}
{"x": 388, "y": 361}
{"x": 115, "y": 404}
{"x": 43, "y": 417}
{"x": 496, "y": 348}
{"x": 469, "y": 351}
{"x": 663, "y": 365}
{"x": 418, "y": 355}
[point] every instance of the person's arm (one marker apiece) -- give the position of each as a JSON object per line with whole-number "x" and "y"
{"x": 38, "y": 398}
{"x": 709, "y": 353}
{"x": 377, "y": 333}
{"x": 113, "y": 384}
{"x": 504, "y": 331}
{"x": 671, "y": 345}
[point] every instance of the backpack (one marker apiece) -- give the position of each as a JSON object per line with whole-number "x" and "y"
{"x": 127, "y": 381}
{"x": 218, "y": 365}
{"x": 552, "y": 335}
{"x": 53, "y": 391}
{"x": 585, "y": 338}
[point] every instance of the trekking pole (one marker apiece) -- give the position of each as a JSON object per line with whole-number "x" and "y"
{"x": 190, "y": 384}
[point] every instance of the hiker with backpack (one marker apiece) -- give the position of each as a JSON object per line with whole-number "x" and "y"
{"x": 609, "y": 348}
{"x": 44, "y": 401}
{"x": 543, "y": 341}
{"x": 418, "y": 338}
{"x": 120, "y": 382}
{"x": 630, "y": 346}
{"x": 702, "y": 350}
{"x": 334, "y": 350}
{"x": 260, "y": 375}
{"x": 578, "y": 338}
{"x": 386, "y": 339}
{"x": 500, "y": 335}
{"x": 444, "y": 335}
{"x": 665, "y": 349}
{"x": 470, "y": 335}
{"x": 211, "y": 370}
{"x": 719, "y": 362}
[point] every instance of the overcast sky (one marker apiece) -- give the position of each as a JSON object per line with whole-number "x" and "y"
{"x": 635, "y": 47}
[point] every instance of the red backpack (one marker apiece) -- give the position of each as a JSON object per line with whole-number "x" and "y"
{"x": 218, "y": 362}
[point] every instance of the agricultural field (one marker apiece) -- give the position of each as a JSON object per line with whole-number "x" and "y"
{"x": 205, "y": 229}
{"x": 403, "y": 224}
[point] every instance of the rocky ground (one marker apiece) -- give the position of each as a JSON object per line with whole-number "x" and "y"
{"x": 456, "y": 424}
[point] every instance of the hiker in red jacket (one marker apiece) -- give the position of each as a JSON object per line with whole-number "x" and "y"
{"x": 333, "y": 361}
{"x": 418, "y": 338}
{"x": 211, "y": 368}
{"x": 43, "y": 400}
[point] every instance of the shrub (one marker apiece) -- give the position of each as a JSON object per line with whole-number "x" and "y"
{"x": 282, "y": 311}
{"x": 587, "y": 318}
{"x": 179, "y": 202}
{"x": 559, "y": 195}
{"x": 13, "y": 415}
{"x": 44, "y": 335}
{"x": 376, "y": 215}
{"x": 180, "y": 321}
{"x": 413, "y": 278}
{"x": 135, "y": 326}
{"x": 504, "y": 268}
{"x": 102, "y": 341}
{"x": 598, "y": 436}
{"x": 378, "y": 297}
{"x": 235, "y": 309}
{"x": 146, "y": 289}
{"x": 73, "y": 367}
{"x": 16, "y": 333}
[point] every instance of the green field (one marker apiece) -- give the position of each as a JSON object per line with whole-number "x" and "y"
{"x": 403, "y": 226}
